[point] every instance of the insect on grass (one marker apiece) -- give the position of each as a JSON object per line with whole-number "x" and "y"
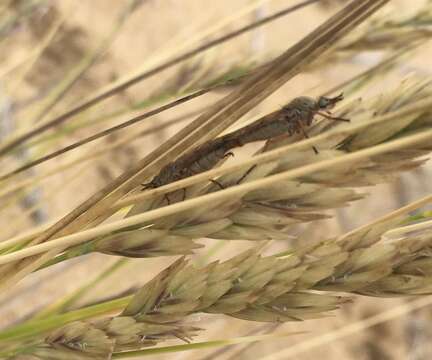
{"x": 293, "y": 118}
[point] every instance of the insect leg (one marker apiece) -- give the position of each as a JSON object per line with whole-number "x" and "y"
{"x": 217, "y": 183}
{"x": 306, "y": 136}
{"x": 333, "y": 117}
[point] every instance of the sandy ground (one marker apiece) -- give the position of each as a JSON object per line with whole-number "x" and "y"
{"x": 164, "y": 26}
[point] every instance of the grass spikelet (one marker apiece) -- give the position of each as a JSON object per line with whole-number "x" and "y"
{"x": 270, "y": 289}
{"x": 146, "y": 243}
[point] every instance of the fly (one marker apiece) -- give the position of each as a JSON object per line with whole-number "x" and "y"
{"x": 293, "y": 118}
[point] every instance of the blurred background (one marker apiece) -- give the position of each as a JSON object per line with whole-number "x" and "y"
{"x": 58, "y": 53}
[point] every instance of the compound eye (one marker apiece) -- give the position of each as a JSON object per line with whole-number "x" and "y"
{"x": 323, "y": 103}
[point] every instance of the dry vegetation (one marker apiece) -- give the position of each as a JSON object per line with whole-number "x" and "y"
{"x": 94, "y": 102}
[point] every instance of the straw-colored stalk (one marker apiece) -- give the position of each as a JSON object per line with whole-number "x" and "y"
{"x": 391, "y": 29}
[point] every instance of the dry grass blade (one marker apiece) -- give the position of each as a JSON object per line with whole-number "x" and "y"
{"x": 215, "y": 120}
{"x": 5, "y": 148}
{"x": 391, "y": 30}
{"x": 93, "y": 154}
{"x": 183, "y": 79}
{"x": 379, "y": 69}
{"x": 113, "y": 129}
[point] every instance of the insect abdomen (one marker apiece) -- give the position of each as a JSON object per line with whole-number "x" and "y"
{"x": 183, "y": 168}
{"x": 208, "y": 161}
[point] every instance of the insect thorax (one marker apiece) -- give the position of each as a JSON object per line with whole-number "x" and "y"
{"x": 303, "y": 103}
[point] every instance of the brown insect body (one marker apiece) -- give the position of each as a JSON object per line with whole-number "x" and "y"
{"x": 291, "y": 119}
{"x": 285, "y": 121}
{"x": 198, "y": 160}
